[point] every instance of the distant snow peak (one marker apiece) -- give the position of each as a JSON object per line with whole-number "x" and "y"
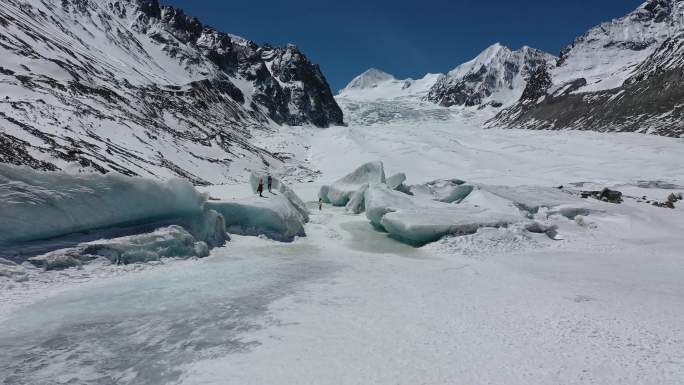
{"x": 497, "y": 76}
{"x": 375, "y": 84}
{"x": 369, "y": 79}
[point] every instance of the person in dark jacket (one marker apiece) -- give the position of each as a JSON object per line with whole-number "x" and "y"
{"x": 260, "y": 188}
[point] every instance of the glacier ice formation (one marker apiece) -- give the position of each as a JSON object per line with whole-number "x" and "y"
{"x": 429, "y": 211}
{"x": 340, "y": 192}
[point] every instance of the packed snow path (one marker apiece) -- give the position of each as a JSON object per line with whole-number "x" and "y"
{"x": 347, "y": 304}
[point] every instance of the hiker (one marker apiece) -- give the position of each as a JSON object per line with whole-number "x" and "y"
{"x": 320, "y": 204}
{"x": 270, "y": 183}
{"x": 260, "y": 188}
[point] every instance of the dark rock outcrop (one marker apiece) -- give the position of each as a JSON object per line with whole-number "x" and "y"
{"x": 606, "y": 195}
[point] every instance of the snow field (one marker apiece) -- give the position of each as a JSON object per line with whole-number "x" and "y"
{"x": 570, "y": 294}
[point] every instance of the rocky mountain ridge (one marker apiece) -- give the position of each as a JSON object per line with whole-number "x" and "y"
{"x": 144, "y": 89}
{"x": 623, "y": 75}
{"x": 496, "y": 77}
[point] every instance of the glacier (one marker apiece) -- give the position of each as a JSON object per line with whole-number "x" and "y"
{"x": 283, "y": 188}
{"x": 279, "y": 215}
{"x": 39, "y": 205}
{"x": 420, "y": 226}
{"x": 418, "y": 221}
{"x": 340, "y": 192}
{"x": 424, "y": 213}
{"x": 166, "y": 242}
{"x": 357, "y": 202}
{"x": 395, "y": 181}
{"x": 56, "y": 220}
{"x": 254, "y": 310}
{"x": 521, "y": 281}
{"x": 274, "y": 216}
{"x": 443, "y": 190}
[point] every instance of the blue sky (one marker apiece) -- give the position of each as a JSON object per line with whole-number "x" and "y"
{"x": 405, "y": 38}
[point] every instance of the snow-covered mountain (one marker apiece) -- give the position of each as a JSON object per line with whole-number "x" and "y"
{"x": 369, "y": 79}
{"x": 376, "y": 97}
{"x": 480, "y": 87}
{"x": 375, "y": 84}
{"x": 622, "y": 75}
{"x": 497, "y": 77}
{"x": 140, "y": 88}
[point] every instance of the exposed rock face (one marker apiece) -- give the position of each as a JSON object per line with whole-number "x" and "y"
{"x": 143, "y": 89}
{"x": 625, "y": 75}
{"x": 496, "y": 77}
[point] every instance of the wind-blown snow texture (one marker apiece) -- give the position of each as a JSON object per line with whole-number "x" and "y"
{"x": 139, "y": 88}
{"x": 622, "y": 75}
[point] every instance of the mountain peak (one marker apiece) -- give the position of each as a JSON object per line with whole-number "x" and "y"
{"x": 369, "y": 79}
{"x": 496, "y": 47}
{"x": 494, "y": 50}
{"x": 497, "y": 76}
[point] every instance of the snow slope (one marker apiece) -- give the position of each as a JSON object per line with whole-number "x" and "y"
{"x": 622, "y": 75}
{"x": 375, "y": 84}
{"x": 143, "y": 89}
{"x": 478, "y": 88}
{"x": 497, "y": 76}
{"x": 607, "y": 55}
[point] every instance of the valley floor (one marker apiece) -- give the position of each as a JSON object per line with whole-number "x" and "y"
{"x": 348, "y": 305}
